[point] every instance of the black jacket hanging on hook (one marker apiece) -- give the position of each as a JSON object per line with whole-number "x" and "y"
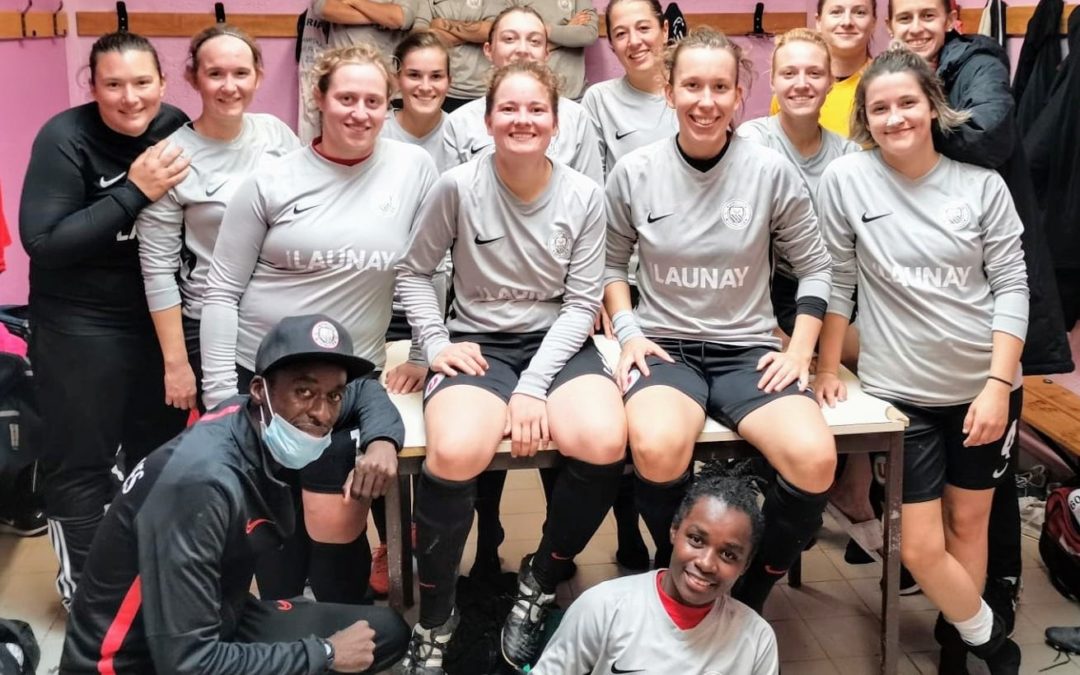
{"x": 1038, "y": 63}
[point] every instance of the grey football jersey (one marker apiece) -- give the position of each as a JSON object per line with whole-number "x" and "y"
{"x": 704, "y": 237}
{"x": 518, "y": 267}
{"x": 768, "y": 132}
{"x": 310, "y": 235}
{"x": 938, "y": 265}
{"x": 177, "y": 232}
{"x": 432, "y": 142}
{"x": 626, "y": 118}
{"x": 620, "y": 626}
{"x": 575, "y": 145}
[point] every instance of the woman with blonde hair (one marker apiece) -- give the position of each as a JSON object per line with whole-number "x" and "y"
{"x": 319, "y": 230}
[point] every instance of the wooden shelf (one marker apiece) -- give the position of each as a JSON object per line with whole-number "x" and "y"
{"x": 740, "y": 23}
{"x": 1016, "y": 19}
{"x": 38, "y": 25}
{"x": 161, "y": 24}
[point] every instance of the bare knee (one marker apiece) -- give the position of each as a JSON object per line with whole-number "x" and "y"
{"x": 659, "y": 455}
{"x": 922, "y": 553}
{"x": 597, "y": 440}
{"x": 967, "y": 524}
{"x": 812, "y": 466}
{"x": 454, "y": 456}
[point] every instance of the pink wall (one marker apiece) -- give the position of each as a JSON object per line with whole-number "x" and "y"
{"x": 32, "y": 72}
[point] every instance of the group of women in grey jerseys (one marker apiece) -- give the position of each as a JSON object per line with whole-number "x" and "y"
{"x": 515, "y": 358}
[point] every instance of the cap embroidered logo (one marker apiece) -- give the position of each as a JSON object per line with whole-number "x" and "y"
{"x": 325, "y": 335}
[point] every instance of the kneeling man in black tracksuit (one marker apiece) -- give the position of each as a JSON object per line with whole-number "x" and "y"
{"x": 166, "y": 585}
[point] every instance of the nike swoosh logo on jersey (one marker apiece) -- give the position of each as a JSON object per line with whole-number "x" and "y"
{"x": 211, "y": 190}
{"x": 480, "y": 242}
{"x": 652, "y": 219}
{"x": 475, "y": 149}
{"x": 616, "y": 669}
{"x": 298, "y": 210}
{"x": 619, "y": 135}
{"x": 106, "y": 183}
{"x": 873, "y": 218}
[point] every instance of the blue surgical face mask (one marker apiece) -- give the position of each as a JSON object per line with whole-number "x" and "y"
{"x": 293, "y": 448}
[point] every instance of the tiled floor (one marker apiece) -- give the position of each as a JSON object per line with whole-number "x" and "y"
{"x": 828, "y": 626}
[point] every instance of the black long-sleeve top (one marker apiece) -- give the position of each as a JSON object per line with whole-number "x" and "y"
{"x": 77, "y": 222}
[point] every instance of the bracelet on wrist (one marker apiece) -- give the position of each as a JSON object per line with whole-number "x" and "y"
{"x": 1000, "y": 379}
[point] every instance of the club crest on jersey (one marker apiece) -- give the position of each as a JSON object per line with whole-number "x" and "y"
{"x": 559, "y": 245}
{"x": 388, "y": 205}
{"x": 433, "y": 383}
{"x": 957, "y": 215}
{"x": 473, "y": 4}
{"x": 325, "y": 335}
{"x": 566, "y": 5}
{"x": 736, "y": 213}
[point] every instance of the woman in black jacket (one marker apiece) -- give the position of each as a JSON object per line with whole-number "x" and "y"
{"x": 98, "y": 368}
{"x": 975, "y": 72}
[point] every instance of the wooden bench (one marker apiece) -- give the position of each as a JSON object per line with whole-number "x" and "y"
{"x": 862, "y": 424}
{"x": 1054, "y": 411}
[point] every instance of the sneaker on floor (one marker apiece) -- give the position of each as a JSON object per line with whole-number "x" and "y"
{"x": 1003, "y": 595}
{"x": 1064, "y": 638}
{"x": 427, "y": 647}
{"x": 380, "y": 572}
{"x": 523, "y": 632}
{"x": 27, "y": 523}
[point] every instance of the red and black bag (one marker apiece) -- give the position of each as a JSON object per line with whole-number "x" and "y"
{"x": 1059, "y": 544}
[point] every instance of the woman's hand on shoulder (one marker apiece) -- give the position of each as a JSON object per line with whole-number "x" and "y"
{"x": 158, "y": 169}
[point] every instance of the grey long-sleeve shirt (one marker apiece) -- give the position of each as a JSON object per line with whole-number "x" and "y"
{"x": 768, "y": 132}
{"x": 938, "y": 265}
{"x": 704, "y": 238}
{"x": 621, "y": 626}
{"x": 518, "y": 267}
{"x": 306, "y": 234}
{"x": 177, "y": 232}
{"x": 626, "y": 118}
{"x": 576, "y": 144}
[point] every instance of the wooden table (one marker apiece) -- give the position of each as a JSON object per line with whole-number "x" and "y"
{"x": 862, "y": 424}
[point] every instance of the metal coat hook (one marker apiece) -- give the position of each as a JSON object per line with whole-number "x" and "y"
{"x": 55, "y": 25}
{"x": 219, "y": 12}
{"x": 759, "y": 19}
{"x": 121, "y": 17}
{"x": 22, "y": 20}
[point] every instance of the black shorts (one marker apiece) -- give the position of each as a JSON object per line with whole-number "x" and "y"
{"x": 327, "y": 474}
{"x": 399, "y": 328}
{"x": 721, "y": 379}
{"x": 508, "y": 355}
{"x": 934, "y": 452}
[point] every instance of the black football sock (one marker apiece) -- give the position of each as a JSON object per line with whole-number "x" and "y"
{"x": 443, "y": 514}
{"x": 582, "y": 496}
